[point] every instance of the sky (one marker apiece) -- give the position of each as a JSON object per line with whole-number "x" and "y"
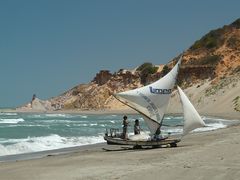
{"x": 50, "y": 46}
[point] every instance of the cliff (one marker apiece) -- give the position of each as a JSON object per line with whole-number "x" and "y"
{"x": 209, "y": 74}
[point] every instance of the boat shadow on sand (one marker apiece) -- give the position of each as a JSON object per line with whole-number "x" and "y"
{"x": 132, "y": 148}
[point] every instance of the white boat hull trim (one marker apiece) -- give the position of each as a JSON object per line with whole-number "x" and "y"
{"x": 164, "y": 142}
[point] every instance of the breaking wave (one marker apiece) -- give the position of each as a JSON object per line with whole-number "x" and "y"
{"x": 35, "y": 144}
{"x": 11, "y": 121}
{"x": 8, "y": 114}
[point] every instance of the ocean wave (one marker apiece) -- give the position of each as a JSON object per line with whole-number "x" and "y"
{"x": 66, "y": 116}
{"x": 58, "y": 115}
{"x": 60, "y": 121}
{"x": 11, "y": 121}
{"x": 173, "y": 131}
{"x": 83, "y": 116}
{"x": 8, "y": 114}
{"x": 167, "y": 117}
{"x": 35, "y": 144}
{"x": 211, "y": 127}
{"x": 93, "y": 124}
{"x": 36, "y": 116}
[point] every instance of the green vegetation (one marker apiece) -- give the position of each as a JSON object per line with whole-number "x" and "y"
{"x": 165, "y": 70}
{"x": 236, "y": 24}
{"x": 237, "y": 69}
{"x": 211, "y": 40}
{"x": 215, "y": 88}
{"x": 214, "y": 38}
{"x": 224, "y": 82}
{"x": 236, "y": 103}
{"x": 145, "y": 70}
{"x": 210, "y": 60}
{"x": 233, "y": 42}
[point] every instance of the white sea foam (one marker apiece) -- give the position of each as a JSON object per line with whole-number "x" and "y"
{"x": 11, "y": 121}
{"x": 58, "y": 115}
{"x": 34, "y": 144}
{"x": 57, "y": 121}
{"x": 93, "y": 124}
{"x": 66, "y": 115}
{"x": 83, "y": 116}
{"x": 167, "y": 117}
{"x": 211, "y": 127}
{"x": 8, "y": 114}
{"x": 36, "y": 116}
{"x": 141, "y": 119}
{"x": 173, "y": 131}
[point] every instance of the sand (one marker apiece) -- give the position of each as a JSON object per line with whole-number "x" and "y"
{"x": 209, "y": 155}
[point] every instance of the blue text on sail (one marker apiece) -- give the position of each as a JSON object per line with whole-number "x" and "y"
{"x": 160, "y": 91}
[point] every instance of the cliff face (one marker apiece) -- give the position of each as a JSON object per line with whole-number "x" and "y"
{"x": 98, "y": 93}
{"x": 219, "y": 49}
{"x": 211, "y": 65}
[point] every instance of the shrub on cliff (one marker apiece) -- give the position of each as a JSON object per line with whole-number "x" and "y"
{"x": 210, "y": 60}
{"x": 165, "y": 70}
{"x": 211, "y": 40}
{"x": 236, "y": 24}
{"x": 146, "y": 69}
{"x": 233, "y": 42}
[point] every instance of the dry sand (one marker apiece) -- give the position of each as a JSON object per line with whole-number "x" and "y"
{"x": 212, "y": 155}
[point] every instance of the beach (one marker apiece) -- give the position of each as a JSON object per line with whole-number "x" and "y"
{"x": 205, "y": 155}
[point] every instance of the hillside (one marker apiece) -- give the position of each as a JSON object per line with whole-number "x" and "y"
{"x": 209, "y": 74}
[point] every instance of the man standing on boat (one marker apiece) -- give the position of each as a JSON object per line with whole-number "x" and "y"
{"x": 136, "y": 127}
{"x": 125, "y": 126}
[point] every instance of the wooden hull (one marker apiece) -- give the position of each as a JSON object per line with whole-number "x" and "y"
{"x": 118, "y": 141}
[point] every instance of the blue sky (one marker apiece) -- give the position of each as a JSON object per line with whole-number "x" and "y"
{"x": 49, "y": 46}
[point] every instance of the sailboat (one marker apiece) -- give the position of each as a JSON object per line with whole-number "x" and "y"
{"x": 151, "y": 102}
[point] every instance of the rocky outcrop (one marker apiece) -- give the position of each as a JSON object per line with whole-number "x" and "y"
{"x": 102, "y": 77}
{"x": 189, "y": 75}
{"x": 37, "y": 105}
{"x": 98, "y": 93}
{"x": 40, "y": 105}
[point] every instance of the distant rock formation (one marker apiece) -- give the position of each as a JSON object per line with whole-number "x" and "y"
{"x": 40, "y": 105}
{"x": 37, "y": 105}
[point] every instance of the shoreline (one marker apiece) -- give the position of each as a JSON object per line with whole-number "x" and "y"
{"x": 208, "y": 155}
{"x": 228, "y": 115}
{"x": 75, "y": 149}
{"x": 47, "y": 153}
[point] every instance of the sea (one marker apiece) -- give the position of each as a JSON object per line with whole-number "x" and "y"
{"x": 34, "y": 132}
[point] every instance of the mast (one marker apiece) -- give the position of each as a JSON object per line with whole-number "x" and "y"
{"x": 152, "y": 100}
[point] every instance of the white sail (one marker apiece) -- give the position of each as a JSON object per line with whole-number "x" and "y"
{"x": 152, "y": 100}
{"x": 192, "y": 119}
